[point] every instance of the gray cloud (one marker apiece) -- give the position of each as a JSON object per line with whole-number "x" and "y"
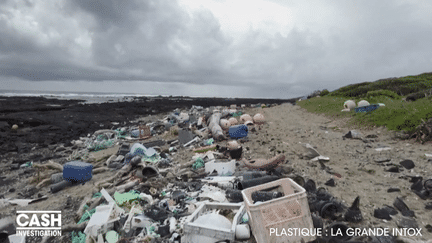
{"x": 333, "y": 43}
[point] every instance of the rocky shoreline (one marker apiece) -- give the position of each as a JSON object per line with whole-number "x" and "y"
{"x": 42, "y": 121}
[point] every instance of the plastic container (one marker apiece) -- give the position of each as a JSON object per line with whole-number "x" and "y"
{"x": 238, "y": 131}
{"x": 197, "y": 233}
{"x": 289, "y": 211}
{"x": 77, "y": 171}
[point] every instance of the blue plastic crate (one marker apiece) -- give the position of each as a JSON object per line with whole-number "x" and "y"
{"x": 366, "y": 108}
{"x": 77, "y": 171}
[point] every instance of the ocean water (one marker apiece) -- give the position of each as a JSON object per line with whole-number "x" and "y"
{"x": 88, "y": 97}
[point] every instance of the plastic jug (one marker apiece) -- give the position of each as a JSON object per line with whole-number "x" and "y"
{"x": 238, "y": 131}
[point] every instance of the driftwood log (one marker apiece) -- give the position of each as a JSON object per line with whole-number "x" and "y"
{"x": 49, "y": 165}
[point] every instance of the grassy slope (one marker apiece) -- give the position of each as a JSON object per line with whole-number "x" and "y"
{"x": 401, "y": 86}
{"x": 396, "y": 115}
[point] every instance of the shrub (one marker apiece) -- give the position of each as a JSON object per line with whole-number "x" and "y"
{"x": 313, "y": 94}
{"x": 381, "y": 92}
{"x": 324, "y": 92}
{"x": 401, "y": 86}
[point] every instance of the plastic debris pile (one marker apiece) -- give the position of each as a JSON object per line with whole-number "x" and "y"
{"x": 159, "y": 194}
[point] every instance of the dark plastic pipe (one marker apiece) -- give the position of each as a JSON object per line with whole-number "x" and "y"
{"x": 260, "y": 196}
{"x": 60, "y": 186}
{"x": 234, "y": 195}
{"x": 255, "y": 182}
{"x": 248, "y": 175}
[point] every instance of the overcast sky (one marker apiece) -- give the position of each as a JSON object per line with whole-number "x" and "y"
{"x": 226, "y": 48}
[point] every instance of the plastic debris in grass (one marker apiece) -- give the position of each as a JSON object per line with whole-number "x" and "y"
{"x": 78, "y": 237}
{"x": 368, "y": 108}
{"x": 122, "y": 198}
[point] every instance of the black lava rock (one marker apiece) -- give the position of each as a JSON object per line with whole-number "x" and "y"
{"x": 408, "y": 164}
{"x": 393, "y": 189}
{"x": 403, "y": 208}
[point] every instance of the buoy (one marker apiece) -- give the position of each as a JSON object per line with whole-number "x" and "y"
{"x": 258, "y": 118}
{"x": 225, "y": 124}
{"x": 363, "y": 103}
{"x": 349, "y": 104}
{"x": 233, "y": 121}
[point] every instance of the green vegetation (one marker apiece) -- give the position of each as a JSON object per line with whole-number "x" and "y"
{"x": 401, "y": 86}
{"x": 388, "y": 93}
{"x": 397, "y": 114}
{"x": 324, "y": 92}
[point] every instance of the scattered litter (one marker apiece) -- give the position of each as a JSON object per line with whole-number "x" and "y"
{"x": 222, "y": 168}
{"x": 382, "y": 149}
{"x": 213, "y": 193}
{"x": 185, "y": 136}
{"x": 159, "y": 190}
{"x": 353, "y": 134}
{"x": 198, "y": 163}
{"x": 311, "y": 151}
{"x": 320, "y": 158}
{"x": 121, "y": 198}
{"x": 103, "y": 219}
{"x": 207, "y": 225}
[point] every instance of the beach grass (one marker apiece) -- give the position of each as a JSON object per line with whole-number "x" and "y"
{"x": 397, "y": 114}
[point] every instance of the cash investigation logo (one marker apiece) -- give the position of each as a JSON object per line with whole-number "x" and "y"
{"x": 38, "y": 223}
